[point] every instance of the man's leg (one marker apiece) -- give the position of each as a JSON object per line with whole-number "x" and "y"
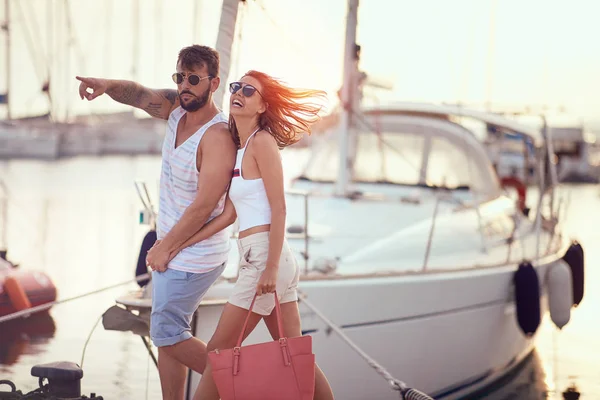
{"x": 172, "y": 375}
{"x": 191, "y": 353}
{"x": 176, "y": 296}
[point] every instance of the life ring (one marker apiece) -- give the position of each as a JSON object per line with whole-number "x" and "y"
{"x": 511, "y": 181}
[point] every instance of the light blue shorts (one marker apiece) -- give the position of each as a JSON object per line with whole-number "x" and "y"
{"x": 176, "y": 296}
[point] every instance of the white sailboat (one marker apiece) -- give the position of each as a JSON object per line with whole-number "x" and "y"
{"x": 409, "y": 244}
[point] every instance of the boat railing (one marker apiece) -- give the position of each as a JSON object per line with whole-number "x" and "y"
{"x": 305, "y": 195}
{"x": 148, "y": 215}
{"x": 441, "y": 196}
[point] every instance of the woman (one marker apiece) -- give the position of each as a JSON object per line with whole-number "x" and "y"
{"x": 265, "y": 115}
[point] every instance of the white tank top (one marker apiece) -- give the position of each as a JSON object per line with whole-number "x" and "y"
{"x": 249, "y": 196}
{"x": 178, "y": 189}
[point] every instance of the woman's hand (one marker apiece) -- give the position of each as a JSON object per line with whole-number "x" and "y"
{"x": 267, "y": 282}
{"x": 158, "y": 257}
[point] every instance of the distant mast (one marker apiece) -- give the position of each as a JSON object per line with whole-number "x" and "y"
{"x": 229, "y": 13}
{"x": 347, "y": 98}
{"x": 4, "y": 98}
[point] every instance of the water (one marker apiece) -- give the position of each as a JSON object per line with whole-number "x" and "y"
{"x": 77, "y": 220}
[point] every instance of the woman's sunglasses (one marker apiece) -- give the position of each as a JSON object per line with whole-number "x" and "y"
{"x": 247, "y": 90}
{"x": 193, "y": 79}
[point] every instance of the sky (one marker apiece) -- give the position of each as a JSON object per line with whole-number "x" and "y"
{"x": 511, "y": 53}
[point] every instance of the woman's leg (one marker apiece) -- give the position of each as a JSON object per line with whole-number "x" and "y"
{"x": 292, "y": 327}
{"x": 225, "y": 337}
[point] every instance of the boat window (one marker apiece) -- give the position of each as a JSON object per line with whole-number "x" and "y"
{"x": 398, "y": 158}
{"x": 323, "y": 163}
{"x": 389, "y": 157}
{"x": 448, "y": 165}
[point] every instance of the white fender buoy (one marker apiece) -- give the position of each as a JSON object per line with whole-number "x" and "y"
{"x": 560, "y": 293}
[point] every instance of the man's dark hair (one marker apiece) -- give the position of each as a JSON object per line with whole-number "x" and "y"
{"x": 197, "y": 56}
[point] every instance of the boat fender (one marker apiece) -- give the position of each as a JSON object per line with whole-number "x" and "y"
{"x": 141, "y": 267}
{"x": 16, "y": 293}
{"x": 560, "y": 293}
{"x": 527, "y": 298}
{"x": 574, "y": 256}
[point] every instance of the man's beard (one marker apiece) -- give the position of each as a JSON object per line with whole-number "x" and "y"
{"x": 195, "y": 104}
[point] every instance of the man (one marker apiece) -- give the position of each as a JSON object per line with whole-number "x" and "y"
{"x": 198, "y": 157}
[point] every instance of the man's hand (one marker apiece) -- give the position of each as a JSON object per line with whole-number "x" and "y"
{"x": 267, "y": 282}
{"x": 158, "y": 257}
{"x": 97, "y": 85}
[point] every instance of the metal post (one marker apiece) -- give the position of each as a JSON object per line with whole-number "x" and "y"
{"x": 306, "y": 237}
{"x": 538, "y": 214}
{"x": 135, "y": 51}
{"x": 3, "y": 216}
{"x": 7, "y": 28}
{"x": 150, "y": 352}
{"x": 552, "y": 168}
{"x": 346, "y": 98}
{"x": 431, "y": 230}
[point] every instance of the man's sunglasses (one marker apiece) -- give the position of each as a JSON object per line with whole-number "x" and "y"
{"x": 193, "y": 79}
{"x": 247, "y": 90}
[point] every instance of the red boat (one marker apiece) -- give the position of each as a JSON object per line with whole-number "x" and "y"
{"x": 21, "y": 289}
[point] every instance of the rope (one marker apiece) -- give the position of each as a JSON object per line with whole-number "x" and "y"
{"x": 396, "y": 384}
{"x": 88, "y": 340}
{"x": 43, "y": 307}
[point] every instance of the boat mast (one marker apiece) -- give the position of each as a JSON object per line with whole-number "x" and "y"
{"x": 229, "y": 13}
{"x": 135, "y": 51}
{"x": 196, "y": 21}
{"x": 6, "y": 28}
{"x": 348, "y": 88}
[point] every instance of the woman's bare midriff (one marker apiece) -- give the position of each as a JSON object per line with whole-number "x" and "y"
{"x": 253, "y": 230}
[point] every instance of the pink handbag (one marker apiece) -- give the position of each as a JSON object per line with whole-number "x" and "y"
{"x": 283, "y": 369}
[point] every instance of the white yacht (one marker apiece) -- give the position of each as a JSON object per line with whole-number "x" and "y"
{"x": 409, "y": 244}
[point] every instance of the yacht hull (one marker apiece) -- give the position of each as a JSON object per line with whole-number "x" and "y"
{"x": 447, "y": 334}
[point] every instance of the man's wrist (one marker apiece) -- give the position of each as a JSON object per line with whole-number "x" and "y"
{"x": 168, "y": 245}
{"x": 110, "y": 84}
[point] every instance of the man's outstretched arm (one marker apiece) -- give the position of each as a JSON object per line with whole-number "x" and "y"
{"x": 157, "y": 102}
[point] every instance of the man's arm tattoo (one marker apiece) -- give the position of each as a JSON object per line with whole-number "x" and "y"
{"x": 157, "y": 108}
{"x": 157, "y": 103}
{"x": 129, "y": 93}
{"x": 169, "y": 94}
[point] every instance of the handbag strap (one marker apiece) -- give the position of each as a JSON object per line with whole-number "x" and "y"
{"x": 277, "y": 316}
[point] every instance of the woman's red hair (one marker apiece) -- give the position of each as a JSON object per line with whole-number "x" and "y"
{"x": 290, "y": 112}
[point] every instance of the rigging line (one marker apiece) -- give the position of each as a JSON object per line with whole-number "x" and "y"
{"x": 38, "y": 38}
{"x": 294, "y": 44}
{"x": 372, "y": 129}
{"x": 73, "y": 38}
{"x": 47, "y": 306}
{"x": 30, "y": 43}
